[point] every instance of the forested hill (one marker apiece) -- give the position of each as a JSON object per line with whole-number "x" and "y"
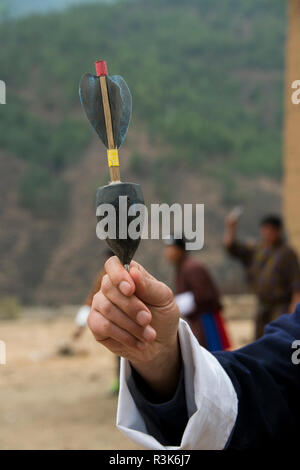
{"x": 206, "y": 78}
{"x": 14, "y": 8}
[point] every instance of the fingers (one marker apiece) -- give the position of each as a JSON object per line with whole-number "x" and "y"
{"x": 119, "y": 276}
{"x": 124, "y": 319}
{"x": 104, "y": 330}
{"x": 113, "y": 314}
{"x": 132, "y": 306}
{"x": 123, "y": 315}
{"x": 115, "y": 347}
{"x": 118, "y": 348}
{"x": 149, "y": 289}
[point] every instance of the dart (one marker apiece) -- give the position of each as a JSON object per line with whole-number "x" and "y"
{"x": 107, "y": 103}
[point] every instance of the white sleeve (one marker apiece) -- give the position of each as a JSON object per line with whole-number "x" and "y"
{"x": 82, "y": 316}
{"x": 210, "y": 396}
{"x": 186, "y": 303}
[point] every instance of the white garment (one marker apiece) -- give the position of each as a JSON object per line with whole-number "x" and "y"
{"x": 82, "y": 316}
{"x": 186, "y": 303}
{"x": 211, "y": 400}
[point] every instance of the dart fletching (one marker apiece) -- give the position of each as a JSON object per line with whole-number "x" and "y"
{"x": 120, "y": 106}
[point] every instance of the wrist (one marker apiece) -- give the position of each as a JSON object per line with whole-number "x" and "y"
{"x": 162, "y": 372}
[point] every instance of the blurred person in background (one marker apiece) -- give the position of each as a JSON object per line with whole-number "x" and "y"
{"x": 272, "y": 269}
{"x": 197, "y": 296}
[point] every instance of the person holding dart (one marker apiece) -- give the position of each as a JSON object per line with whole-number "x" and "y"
{"x": 174, "y": 394}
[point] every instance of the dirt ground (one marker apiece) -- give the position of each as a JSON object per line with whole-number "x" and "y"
{"x": 54, "y": 402}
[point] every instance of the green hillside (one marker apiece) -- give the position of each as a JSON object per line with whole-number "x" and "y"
{"x": 26, "y": 7}
{"x": 206, "y": 78}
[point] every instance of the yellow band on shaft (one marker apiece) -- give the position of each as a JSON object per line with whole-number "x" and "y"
{"x": 113, "y": 157}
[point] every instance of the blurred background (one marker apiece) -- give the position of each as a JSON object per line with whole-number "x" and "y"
{"x": 207, "y": 79}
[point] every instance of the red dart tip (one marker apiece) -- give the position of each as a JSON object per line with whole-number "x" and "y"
{"x": 101, "y": 68}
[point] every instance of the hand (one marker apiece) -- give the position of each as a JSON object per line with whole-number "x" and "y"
{"x": 231, "y": 221}
{"x": 136, "y": 316}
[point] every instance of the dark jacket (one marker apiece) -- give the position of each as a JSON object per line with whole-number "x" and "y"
{"x": 267, "y": 383}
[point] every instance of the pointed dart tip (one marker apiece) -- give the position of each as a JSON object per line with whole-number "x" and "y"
{"x": 101, "y": 68}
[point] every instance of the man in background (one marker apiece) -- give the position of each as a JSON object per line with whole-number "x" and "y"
{"x": 197, "y": 296}
{"x": 272, "y": 269}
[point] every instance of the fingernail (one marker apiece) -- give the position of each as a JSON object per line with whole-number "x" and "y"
{"x": 141, "y": 345}
{"x": 149, "y": 333}
{"x": 143, "y": 318}
{"x": 125, "y": 287}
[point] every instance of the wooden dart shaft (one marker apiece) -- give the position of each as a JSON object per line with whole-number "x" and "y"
{"x": 101, "y": 73}
{"x": 107, "y": 113}
{"x": 114, "y": 172}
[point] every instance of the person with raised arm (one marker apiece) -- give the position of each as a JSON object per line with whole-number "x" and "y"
{"x": 272, "y": 268}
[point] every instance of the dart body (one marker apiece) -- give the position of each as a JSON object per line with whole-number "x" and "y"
{"x": 107, "y": 104}
{"x": 123, "y": 245}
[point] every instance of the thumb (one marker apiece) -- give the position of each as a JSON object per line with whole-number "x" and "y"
{"x": 148, "y": 289}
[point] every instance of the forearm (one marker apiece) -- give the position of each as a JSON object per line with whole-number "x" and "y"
{"x": 162, "y": 373}
{"x": 264, "y": 375}
{"x": 165, "y": 420}
{"x": 229, "y": 236}
{"x": 206, "y": 419}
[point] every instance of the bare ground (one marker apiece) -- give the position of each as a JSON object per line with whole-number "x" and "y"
{"x": 54, "y": 402}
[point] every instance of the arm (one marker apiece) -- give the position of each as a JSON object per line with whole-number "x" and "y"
{"x": 199, "y": 415}
{"x": 229, "y": 237}
{"x": 164, "y": 420}
{"x": 265, "y": 379}
{"x": 267, "y": 382}
{"x": 120, "y": 320}
{"x": 235, "y": 248}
